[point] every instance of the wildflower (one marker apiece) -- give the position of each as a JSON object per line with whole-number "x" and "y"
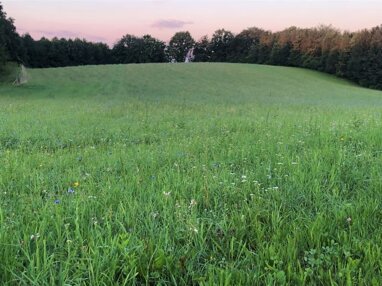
{"x": 154, "y": 215}
{"x": 94, "y": 220}
{"x": 192, "y": 203}
{"x": 57, "y": 202}
{"x": 349, "y": 220}
{"x": 243, "y": 177}
{"x": 167, "y": 194}
{"x": 35, "y": 236}
{"x": 70, "y": 191}
{"x": 76, "y": 184}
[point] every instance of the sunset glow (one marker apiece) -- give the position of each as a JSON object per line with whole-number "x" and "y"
{"x": 108, "y": 20}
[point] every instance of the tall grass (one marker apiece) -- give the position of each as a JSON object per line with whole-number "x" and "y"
{"x": 204, "y": 174}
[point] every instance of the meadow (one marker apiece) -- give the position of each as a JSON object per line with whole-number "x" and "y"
{"x": 190, "y": 174}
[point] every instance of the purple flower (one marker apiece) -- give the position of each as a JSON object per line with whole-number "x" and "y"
{"x": 57, "y": 202}
{"x": 70, "y": 191}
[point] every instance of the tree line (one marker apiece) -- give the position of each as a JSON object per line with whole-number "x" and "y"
{"x": 11, "y": 46}
{"x": 353, "y": 55}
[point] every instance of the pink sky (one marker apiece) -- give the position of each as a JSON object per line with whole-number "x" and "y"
{"x": 109, "y": 20}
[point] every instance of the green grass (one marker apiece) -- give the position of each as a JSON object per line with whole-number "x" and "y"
{"x": 204, "y": 174}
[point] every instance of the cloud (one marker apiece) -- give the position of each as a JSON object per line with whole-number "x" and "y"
{"x": 170, "y": 24}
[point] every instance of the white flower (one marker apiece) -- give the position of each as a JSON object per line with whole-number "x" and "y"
{"x": 192, "y": 203}
{"x": 167, "y": 194}
{"x": 154, "y": 215}
{"x": 35, "y": 236}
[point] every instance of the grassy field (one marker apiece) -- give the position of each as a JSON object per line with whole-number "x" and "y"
{"x": 199, "y": 174}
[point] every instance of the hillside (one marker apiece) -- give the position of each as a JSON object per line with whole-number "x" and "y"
{"x": 235, "y": 83}
{"x": 211, "y": 174}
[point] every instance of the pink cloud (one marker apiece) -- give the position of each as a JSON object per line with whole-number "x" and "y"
{"x": 171, "y": 24}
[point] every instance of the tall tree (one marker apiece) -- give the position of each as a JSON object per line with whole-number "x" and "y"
{"x": 132, "y": 49}
{"x": 153, "y": 50}
{"x": 202, "y": 50}
{"x": 11, "y": 48}
{"x": 179, "y": 46}
{"x": 127, "y": 50}
{"x": 220, "y": 45}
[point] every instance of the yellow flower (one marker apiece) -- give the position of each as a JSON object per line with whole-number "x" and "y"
{"x": 76, "y": 184}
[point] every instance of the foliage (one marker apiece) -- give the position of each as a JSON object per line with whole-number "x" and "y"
{"x": 131, "y": 49}
{"x": 11, "y": 48}
{"x": 202, "y": 50}
{"x": 179, "y": 45}
{"x": 220, "y": 45}
{"x": 63, "y": 52}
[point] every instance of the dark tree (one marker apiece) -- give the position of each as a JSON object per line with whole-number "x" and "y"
{"x": 153, "y": 50}
{"x": 11, "y": 48}
{"x": 220, "y": 45}
{"x": 202, "y": 50}
{"x": 179, "y": 46}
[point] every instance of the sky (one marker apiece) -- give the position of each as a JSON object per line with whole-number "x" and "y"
{"x": 108, "y": 20}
